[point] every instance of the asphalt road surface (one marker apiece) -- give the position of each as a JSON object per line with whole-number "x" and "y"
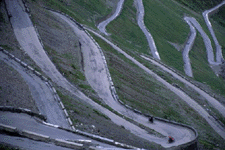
{"x": 212, "y": 122}
{"x": 28, "y": 39}
{"x": 40, "y": 92}
{"x": 24, "y": 143}
{"x": 219, "y": 55}
{"x": 101, "y": 26}
{"x": 140, "y": 20}
{"x": 187, "y": 48}
{"x": 26, "y": 122}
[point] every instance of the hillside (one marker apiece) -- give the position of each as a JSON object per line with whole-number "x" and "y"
{"x": 135, "y": 87}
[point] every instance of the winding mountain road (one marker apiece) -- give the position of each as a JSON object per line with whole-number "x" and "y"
{"x": 212, "y": 122}
{"x": 140, "y": 20}
{"x": 26, "y": 122}
{"x": 219, "y": 55}
{"x": 95, "y": 72}
{"x": 96, "y": 75}
{"x": 187, "y": 48}
{"x": 41, "y": 93}
{"x": 27, "y": 37}
{"x": 192, "y": 22}
{"x": 207, "y": 41}
{"x": 101, "y": 26}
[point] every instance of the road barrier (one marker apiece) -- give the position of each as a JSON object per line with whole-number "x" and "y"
{"x": 35, "y": 136}
{"x": 22, "y": 110}
{"x": 48, "y": 83}
{"x": 60, "y": 142}
{"x": 68, "y": 144}
{"x": 8, "y": 128}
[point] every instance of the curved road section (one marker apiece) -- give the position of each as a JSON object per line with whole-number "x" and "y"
{"x": 211, "y": 121}
{"x": 41, "y": 93}
{"x": 25, "y": 122}
{"x": 193, "y": 23}
{"x": 187, "y": 48}
{"x": 140, "y": 20}
{"x": 96, "y": 74}
{"x": 28, "y": 39}
{"x": 101, "y": 26}
{"x": 219, "y": 56}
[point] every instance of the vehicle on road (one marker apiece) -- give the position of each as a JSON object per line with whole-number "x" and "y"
{"x": 171, "y": 139}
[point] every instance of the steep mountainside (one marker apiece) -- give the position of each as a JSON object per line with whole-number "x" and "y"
{"x": 164, "y": 19}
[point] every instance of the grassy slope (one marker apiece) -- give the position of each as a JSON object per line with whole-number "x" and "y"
{"x": 142, "y": 92}
{"x": 157, "y": 18}
{"x": 199, "y": 5}
{"x": 127, "y": 35}
{"x": 62, "y": 47}
{"x": 87, "y": 12}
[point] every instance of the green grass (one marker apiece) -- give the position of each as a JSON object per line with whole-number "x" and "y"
{"x": 6, "y": 147}
{"x": 165, "y": 22}
{"x": 199, "y": 5}
{"x": 86, "y": 87}
{"x": 101, "y": 114}
{"x": 86, "y": 12}
{"x": 7, "y": 47}
{"x": 138, "y": 90}
{"x": 2, "y": 19}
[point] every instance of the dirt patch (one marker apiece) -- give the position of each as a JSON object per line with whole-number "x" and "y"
{"x": 13, "y": 89}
